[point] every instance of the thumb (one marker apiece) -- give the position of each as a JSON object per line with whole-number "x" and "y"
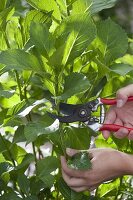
{"x": 71, "y": 152}
{"x": 123, "y": 94}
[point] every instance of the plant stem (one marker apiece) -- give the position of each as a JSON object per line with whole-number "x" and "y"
{"x": 19, "y": 85}
{"x": 34, "y": 151}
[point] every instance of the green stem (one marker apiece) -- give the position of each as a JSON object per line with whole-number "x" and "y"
{"x": 19, "y": 85}
{"x": 34, "y": 152}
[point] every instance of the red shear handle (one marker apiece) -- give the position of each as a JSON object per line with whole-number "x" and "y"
{"x": 113, "y": 127}
{"x": 113, "y": 101}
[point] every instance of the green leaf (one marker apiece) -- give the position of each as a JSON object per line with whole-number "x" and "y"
{"x": 19, "y": 60}
{"x": 80, "y": 161}
{"x": 75, "y": 35}
{"x": 81, "y": 6}
{"x": 24, "y": 183}
{"x": 98, "y": 5}
{"x": 11, "y": 196}
{"x": 111, "y": 40}
{"x": 46, "y": 5}
{"x": 5, "y": 15}
{"x": 121, "y": 69}
{"x": 44, "y": 169}
{"x": 77, "y": 138}
{"x": 33, "y": 130}
{"x": 63, "y": 7}
{"x": 27, "y": 160}
{"x": 19, "y": 135}
{"x": 16, "y": 108}
{"x": 3, "y": 45}
{"x": 70, "y": 88}
{"x": 3, "y": 4}
{"x": 35, "y": 16}
{"x": 32, "y": 197}
{"x": 5, "y": 93}
{"x": 45, "y": 41}
{"x": 68, "y": 193}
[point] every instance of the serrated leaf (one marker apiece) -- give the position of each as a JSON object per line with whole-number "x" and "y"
{"x": 111, "y": 40}
{"x": 19, "y": 60}
{"x": 121, "y": 69}
{"x": 45, "y": 41}
{"x": 80, "y": 161}
{"x": 75, "y": 83}
{"x": 75, "y": 34}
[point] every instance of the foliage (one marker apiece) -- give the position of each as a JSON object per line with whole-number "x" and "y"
{"x": 51, "y": 52}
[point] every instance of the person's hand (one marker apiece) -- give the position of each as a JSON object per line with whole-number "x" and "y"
{"x": 121, "y": 114}
{"x": 107, "y": 164}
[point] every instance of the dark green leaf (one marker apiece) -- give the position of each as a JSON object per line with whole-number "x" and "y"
{"x": 69, "y": 194}
{"x": 19, "y": 60}
{"x": 33, "y": 130}
{"x": 44, "y": 169}
{"x": 24, "y": 183}
{"x": 75, "y": 83}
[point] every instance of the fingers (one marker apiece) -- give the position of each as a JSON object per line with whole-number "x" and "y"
{"x": 123, "y": 94}
{"x": 71, "y": 152}
{"x": 72, "y": 181}
{"x": 71, "y": 172}
{"x": 110, "y": 119}
{"x": 121, "y": 133}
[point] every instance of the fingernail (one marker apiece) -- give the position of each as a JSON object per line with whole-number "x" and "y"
{"x": 120, "y": 103}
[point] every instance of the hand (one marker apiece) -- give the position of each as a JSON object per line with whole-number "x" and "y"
{"x": 107, "y": 164}
{"x": 121, "y": 114}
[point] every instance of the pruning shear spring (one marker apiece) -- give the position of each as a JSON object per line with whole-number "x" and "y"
{"x": 85, "y": 113}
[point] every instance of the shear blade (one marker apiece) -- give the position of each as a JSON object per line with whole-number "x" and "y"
{"x": 68, "y": 109}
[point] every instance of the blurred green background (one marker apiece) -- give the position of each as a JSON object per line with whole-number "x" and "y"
{"x": 122, "y": 13}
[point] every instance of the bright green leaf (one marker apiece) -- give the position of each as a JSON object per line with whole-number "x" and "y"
{"x": 46, "y": 5}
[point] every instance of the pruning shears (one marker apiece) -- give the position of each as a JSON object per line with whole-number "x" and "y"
{"x": 86, "y": 113}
